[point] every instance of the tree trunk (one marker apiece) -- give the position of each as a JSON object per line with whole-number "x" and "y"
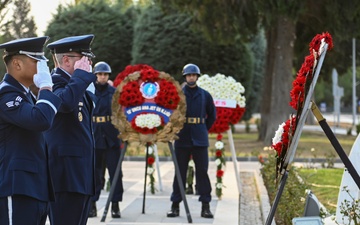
{"x": 275, "y": 107}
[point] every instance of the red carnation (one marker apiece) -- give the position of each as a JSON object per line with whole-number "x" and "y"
{"x": 222, "y": 121}
{"x": 150, "y": 160}
{"x": 149, "y": 75}
{"x": 218, "y": 153}
{"x": 236, "y": 114}
{"x": 129, "y": 70}
{"x": 167, "y": 97}
{"x": 219, "y": 173}
{"x": 289, "y": 129}
{"x": 316, "y": 42}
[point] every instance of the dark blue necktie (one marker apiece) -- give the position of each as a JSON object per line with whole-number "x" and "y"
{"x": 30, "y": 97}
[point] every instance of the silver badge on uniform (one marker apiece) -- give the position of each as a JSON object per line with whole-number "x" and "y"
{"x": 80, "y": 116}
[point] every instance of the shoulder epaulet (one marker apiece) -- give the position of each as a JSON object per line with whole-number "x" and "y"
{"x": 4, "y": 85}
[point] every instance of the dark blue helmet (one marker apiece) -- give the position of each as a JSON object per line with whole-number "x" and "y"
{"x": 102, "y": 67}
{"x": 190, "y": 69}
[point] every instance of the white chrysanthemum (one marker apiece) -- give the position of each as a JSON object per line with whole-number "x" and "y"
{"x": 217, "y": 162}
{"x": 149, "y": 120}
{"x": 191, "y": 163}
{"x": 277, "y": 138}
{"x": 150, "y": 170}
{"x": 150, "y": 150}
{"x": 219, "y": 185}
{"x": 219, "y": 145}
{"x": 223, "y": 87}
{"x": 242, "y": 104}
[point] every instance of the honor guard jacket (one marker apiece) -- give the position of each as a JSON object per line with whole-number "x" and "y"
{"x": 200, "y": 116}
{"x": 70, "y": 139}
{"x": 106, "y": 135}
{"x": 23, "y": 157}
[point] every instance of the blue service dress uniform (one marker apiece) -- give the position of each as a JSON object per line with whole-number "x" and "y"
{"x": 24, "y": 168}
{"x": 71, "y": 148}
{"x": 193, "y": 140}
{"x": 107, "y": 142}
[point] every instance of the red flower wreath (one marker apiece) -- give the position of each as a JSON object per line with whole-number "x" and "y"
{"x": 288, "y": 130}
{"x": 298, "y": 95}
{"x": 133, "y": 98}
{"x": 147, "y": 106}
{"x": 304, "y": 75}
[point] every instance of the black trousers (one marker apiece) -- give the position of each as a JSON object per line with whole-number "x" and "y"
{"x": 110, "y": 157}
{"x": 70, "y": 208}
{"x": 21, "y": 209}
{"x": 201, "y": 159}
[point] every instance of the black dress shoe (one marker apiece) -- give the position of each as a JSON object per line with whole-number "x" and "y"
{"x": 115, "y": 210}
{"x": 93, "y": 210}
{"x": 205, "y": 211}
{"x": 174, "y": 212}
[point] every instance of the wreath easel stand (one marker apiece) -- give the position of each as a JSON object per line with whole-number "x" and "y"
{"x": 303, "y": 112}
{"x": 138, "y": 83}
{"x": 116, "y": 177}
{"x": 301, "y": 116}
{"x": 234, "y": 159}
{"x": 157, "y": 162}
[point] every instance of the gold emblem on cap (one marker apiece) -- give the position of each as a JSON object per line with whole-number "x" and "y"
{"x": 80, "y": 116}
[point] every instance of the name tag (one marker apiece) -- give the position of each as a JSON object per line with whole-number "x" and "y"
{"x": 226, "y": 103}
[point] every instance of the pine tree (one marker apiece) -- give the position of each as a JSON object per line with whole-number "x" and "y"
{"x": 21, "y": 24}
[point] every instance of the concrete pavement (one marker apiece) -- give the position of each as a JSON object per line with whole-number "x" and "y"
{"x": 248, "y": 208}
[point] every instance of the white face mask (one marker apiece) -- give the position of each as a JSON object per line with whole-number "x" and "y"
{"x": 90, "y": 70}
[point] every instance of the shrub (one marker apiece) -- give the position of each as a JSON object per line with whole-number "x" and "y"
{"x": 291, "y": 202}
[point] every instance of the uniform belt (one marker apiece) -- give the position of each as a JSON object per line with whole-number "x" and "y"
{"x": 101, "y": 119}
{"x": 194, "y": 120}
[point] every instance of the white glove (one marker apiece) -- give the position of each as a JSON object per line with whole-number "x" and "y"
{"x": 91, "y": 88}
{"x": 83, "y": 64}
{"x": 43, "y": 77}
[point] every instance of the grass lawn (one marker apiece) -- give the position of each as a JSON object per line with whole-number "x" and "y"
{"x": 325, "y": 184}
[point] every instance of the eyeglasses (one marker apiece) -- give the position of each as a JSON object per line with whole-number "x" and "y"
{"x": 78, "y": 56}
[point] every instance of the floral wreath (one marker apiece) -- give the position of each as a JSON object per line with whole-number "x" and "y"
{"x": 147, "y": 106}
{"x": 283, "y": 136}
{"x": 145, "y": 117}
{"x": 230, "y": 107}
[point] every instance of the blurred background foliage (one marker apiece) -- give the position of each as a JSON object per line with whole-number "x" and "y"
{"x": 235, "y": 38}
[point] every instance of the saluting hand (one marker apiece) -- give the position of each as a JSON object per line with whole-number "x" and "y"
{"x": 42, "y": 78}
{"x": 83, "y": 64}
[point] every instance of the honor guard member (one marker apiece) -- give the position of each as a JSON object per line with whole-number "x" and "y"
{"x": 25, "y": 183}
{"x": 193, "y": 140}
{"x": 107, "y": 142}
{"x": 70, "y": 140}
